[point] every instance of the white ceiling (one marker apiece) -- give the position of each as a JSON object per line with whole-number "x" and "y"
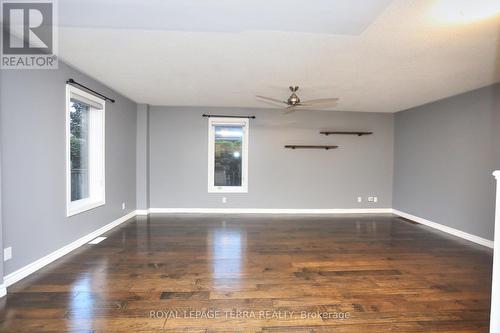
{"x": 375, "y": 55}
{"x": 230, "y": 16}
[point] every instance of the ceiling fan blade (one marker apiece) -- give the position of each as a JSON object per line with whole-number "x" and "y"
{"x": 316, "y": 106}
{"x": 290, "y": 109}
{"x": 269, "y": 99}
{"x": 320, "y": 101}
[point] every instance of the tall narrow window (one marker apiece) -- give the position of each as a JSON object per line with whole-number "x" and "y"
{"x": 85, "y": 151}
{"x": 228, "y": 155}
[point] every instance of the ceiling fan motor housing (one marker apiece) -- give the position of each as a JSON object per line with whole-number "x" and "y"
{"x": 293, "y": 99}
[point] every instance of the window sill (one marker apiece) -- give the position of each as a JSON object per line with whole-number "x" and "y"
{"x": 76, "y": 208}
{"x": 227, "y": 190}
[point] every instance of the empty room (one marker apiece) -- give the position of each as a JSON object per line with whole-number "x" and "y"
{"x": 250, "y": 166}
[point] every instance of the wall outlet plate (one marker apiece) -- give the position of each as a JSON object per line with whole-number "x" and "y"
{"x": 7, "y": 253}
{"x": 224, "y": 199}
{"x": 123, "y": 206}
{"x": 360, "y": 199}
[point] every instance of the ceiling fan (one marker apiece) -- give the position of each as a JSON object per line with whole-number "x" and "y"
{"x": 294, "y": 102}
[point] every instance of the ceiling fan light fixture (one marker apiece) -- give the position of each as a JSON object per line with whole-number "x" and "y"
{"x": 293, "y": 99}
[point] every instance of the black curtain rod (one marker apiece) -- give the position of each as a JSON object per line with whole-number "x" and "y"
{"x": 220, "y": 116}
{"x": 73, "y": 82}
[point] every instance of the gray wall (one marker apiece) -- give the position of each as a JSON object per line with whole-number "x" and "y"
{"x": 32, "y": 104}
{"x": 445, "y": 153}
{"x": 1, "y": 209}
{"x": 496, "y": 127}
{"x": 142, "y": 177}
{"x": 278, "y": 177}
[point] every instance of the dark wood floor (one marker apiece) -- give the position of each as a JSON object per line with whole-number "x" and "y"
{"x": 380, "y": 273}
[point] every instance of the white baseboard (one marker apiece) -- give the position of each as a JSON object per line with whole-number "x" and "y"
{"x": 448, "y": 230}
{"x": 267, "y": 211}
{"x": 142, "y": 212}
{"x": 3, "y": 290}
{"x": 23, "y": 272}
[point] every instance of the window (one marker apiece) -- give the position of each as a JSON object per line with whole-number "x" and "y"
{"x": 85, "y": 151}
{"x": 228, "y": 155}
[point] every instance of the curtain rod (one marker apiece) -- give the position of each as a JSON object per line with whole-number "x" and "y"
{"x": 73, "y": 82}
{"x": 221, "y": 116}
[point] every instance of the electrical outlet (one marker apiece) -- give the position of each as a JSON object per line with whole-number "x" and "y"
{"x": 360, "y": 199}
{"x": 375, "y": 199}
{"x": 224, "y": 199}
{"x": 123, "y": 205}
{"x": 7, "y": 253}
{"x": 370, "y": 199}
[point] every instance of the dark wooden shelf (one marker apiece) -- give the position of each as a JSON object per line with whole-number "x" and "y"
{"x": 345, "y": 133}
{"x": 310, "y": 147}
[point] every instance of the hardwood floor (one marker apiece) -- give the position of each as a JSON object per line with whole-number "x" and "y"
{"x": 249, "y": 273}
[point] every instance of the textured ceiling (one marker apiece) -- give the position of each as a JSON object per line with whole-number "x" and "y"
{"x": 377, "y": 56}
{"x": 313, "y": 16}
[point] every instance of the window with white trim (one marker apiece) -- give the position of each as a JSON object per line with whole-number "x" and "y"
{"x": 228, "y": 155}
{"x": 85, "y": 114}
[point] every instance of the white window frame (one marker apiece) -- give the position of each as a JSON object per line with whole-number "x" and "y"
{"x": 97, "y": 188}
{"x": 212, "y": 122}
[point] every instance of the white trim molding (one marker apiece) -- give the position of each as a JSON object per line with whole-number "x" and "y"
{"x": 448, "y": 230}
{"x": 23, "y": 272}
{"x": 495, "y": 282}
{"x": 244, "y": 123}
{"x": 268, "y": 211}
{"x": 96, "y": 195}
{"x": 3, "y": 290}
{"x": 142, "y": 212}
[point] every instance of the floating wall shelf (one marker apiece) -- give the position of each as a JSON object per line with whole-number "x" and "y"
{"x": 345, "y": 133}
{"x": 310, "y": 147}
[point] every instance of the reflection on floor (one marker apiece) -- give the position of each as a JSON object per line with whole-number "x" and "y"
{"x": 194, "y": 273}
